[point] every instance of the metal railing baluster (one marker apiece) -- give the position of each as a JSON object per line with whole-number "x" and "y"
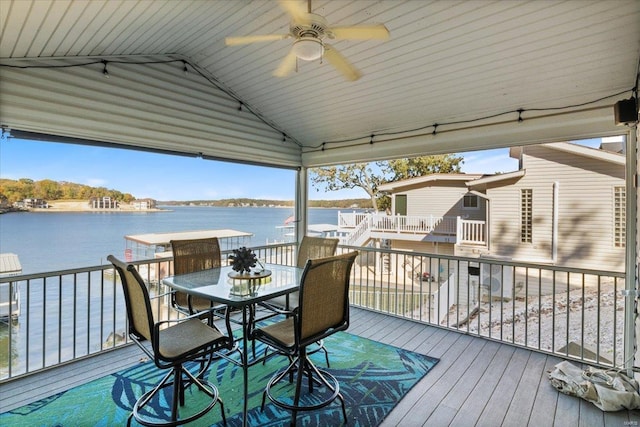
{"x": 385, "y": 280}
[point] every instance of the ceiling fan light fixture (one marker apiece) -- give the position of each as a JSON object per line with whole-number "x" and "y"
{"x": 308, "y": 48}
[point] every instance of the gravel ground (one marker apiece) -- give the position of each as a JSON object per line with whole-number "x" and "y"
{"x": 541, "y": 322}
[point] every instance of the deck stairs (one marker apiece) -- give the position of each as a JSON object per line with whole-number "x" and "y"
{"x": 360, "y": 235}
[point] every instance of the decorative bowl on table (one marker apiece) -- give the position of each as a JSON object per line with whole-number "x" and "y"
{"x": 244, "y": 281}
{"x": 248, "y": 284}
{"x": 243, "y": 260}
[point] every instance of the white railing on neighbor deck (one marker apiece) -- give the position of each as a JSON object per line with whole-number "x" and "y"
{"x": 351, "y": 219}
{"x": 361, "y": 224}
{"x": 445, "y": 225}
{"x": 471, "y": 232}
{"x": 572, "y": 313}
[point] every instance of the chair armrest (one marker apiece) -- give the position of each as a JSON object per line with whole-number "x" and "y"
{"x": 157, "y": 326}
{"x": 154, "y": 297}
{"x": 278, "y": 310}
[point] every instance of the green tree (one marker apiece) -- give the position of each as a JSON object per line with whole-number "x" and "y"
{"x": 401, "y": 169}
{"x": 53, "y": 190}
{"x": 48, "y": 190}
{"x": 355, "y": 175}
{"x": 70, "y": 191}
{"x": 369, "y": 176}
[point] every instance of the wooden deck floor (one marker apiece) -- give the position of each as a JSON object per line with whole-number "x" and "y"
{"x": 476, "y": 383}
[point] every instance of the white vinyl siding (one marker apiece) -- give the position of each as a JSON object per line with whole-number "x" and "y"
{"x": 442, "y": 200}
{"x": 585, "y": 210}
{"x": 619, "y": 217}
{"x": 526, "y": 215}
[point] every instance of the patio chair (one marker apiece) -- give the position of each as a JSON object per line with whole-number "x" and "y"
{"x": 191, "y": 255}
{"x": 173, "y": 343}
{"x": 323, "y": 310}
{"x": 310, "y": 248}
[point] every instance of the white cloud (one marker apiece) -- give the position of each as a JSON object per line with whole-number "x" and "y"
{"x": 96, "y": 182}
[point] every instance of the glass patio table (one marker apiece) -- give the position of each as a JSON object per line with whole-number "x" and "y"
{"x": 224, "y": 286}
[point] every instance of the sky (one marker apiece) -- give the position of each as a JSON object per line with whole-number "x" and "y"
{"x": 163, "y": 177}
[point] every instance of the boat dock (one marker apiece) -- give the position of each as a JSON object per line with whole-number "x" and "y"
{"x": 155, "y": 245}
{"x": 9, "y": 292}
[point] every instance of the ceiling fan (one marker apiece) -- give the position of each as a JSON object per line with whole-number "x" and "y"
{"x": 310, "y": 31}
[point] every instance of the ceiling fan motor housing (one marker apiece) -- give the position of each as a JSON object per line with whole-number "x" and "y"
{"x": 315, "y": 27}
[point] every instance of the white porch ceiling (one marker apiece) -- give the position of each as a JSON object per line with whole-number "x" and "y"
{"x": 446, "y": 61}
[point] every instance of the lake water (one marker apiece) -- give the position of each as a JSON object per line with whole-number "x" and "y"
{"x": 52, "y": 241}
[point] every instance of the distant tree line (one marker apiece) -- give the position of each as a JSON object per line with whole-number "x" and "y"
{"x": 47, "y": 189}
{"x": 342, "y": 204}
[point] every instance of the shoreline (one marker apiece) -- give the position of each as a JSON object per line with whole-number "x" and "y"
{"x": 83, "y": 206}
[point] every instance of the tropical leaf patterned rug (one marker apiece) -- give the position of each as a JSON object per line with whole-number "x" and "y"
{"x": 373, "y": 378}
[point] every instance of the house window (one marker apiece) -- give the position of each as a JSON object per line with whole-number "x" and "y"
{"x": 470, "y": 201}
{"x": 619, "y": 217}
{"x": 526, "y": 215}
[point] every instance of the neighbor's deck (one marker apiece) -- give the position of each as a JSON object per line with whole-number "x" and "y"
{"x": 476, "y": 383}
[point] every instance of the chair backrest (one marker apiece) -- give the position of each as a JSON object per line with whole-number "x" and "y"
{"x": 195, "y": 255}
{"x": 315, "y": 247}
{"x": 323, "y": 306}
{"x": 136, "y": 298}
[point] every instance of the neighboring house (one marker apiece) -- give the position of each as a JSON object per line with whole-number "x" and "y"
{"x": 426, "y": 209}
{"x": 566, "y": 208}
{"x": 35, "y": 204}
{"x": 143, "y": 204}
{"x": 103, "y": 203}
{"x": 565, "y": 205}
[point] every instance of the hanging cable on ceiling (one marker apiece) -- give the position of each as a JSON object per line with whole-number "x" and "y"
{"x": 184, "y": 62}
{"x": 325, "y": 145}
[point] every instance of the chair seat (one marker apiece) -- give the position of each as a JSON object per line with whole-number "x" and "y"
{"x": 186, "y": 337}
{"x": 282, "y": 333}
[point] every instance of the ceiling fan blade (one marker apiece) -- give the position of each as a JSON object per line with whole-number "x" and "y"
{"x": 235, "y": 41}
{"x": 287, "y": 65}
{"x": 341, "y": 64}
{"x": 296, "y": 10}
{"x": 361, "y": 32}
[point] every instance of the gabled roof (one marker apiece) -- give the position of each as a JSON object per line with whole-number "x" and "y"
{"x": 433, "y": 178}
{"x": 487, "y": 179}
{"x": 579, "y": 150}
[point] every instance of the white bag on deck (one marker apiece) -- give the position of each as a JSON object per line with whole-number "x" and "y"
{"x": 609, "y": 390}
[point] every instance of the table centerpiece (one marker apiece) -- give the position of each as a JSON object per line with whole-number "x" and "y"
{"x": 244, "y": 280}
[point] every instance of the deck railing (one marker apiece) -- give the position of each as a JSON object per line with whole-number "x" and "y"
{"x": 577, "y": 314}
{"x": 458, "y": 229}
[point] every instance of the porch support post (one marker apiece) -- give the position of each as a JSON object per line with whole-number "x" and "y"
{"x": 301, "y": 203}
{"x": 631, "y": 267}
